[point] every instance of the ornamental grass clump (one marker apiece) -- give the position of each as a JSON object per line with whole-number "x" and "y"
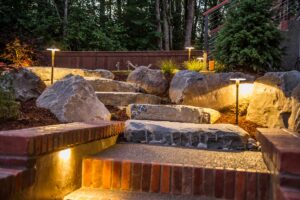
{"x": 169, "y": 66}
{"x": 195, "y": 65}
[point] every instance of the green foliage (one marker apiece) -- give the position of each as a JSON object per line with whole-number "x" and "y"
{"x": 194, "y": 65}
{"x": 9, "y": 108}
{"x": 169, "y": 66}
{"x": 18, "y": 53}
{"x": 249, "y": 39}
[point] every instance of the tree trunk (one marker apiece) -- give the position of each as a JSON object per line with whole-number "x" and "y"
{"x": 166, "y": 26}
{"x": 189, "y": 22}
{"x": 170, "y": 24}
{"x": 158, "y": 27}
{"x": 65, "y": 23}
{"x": 102, "y": 11}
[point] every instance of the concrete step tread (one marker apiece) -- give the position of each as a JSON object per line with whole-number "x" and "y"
{"x": 126, "y": 98}
{"x": 245, "y": 160}
{"x": 99, "y": 194}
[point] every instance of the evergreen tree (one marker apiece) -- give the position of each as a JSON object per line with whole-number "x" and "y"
{"x": 249, "y": 39}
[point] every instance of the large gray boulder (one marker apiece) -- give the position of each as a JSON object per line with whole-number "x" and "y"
{"x": 294, "y": 121}
{"x": 271, "y": 105}
{"x": 73, "y": 99}
{"x": 108, "y": 85}
{"x": 208, "y": 136}
{"x": 152, "y": 81}
{"x": 121, "y": 99}
{"x": 25, "y": 84}
{"x": 99, "y": 73}
{"x": 172, "y": 113}
{"x": 210, "y": 90}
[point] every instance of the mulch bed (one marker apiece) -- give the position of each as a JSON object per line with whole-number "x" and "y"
{"x": 117, "y": 114}
{"x": 31, "y": 116}
{"x": 229, "y": 118}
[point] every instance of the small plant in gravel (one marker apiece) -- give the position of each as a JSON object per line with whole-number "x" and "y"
{"x": 169, "y": 66}
{"x": 194, "y": 65}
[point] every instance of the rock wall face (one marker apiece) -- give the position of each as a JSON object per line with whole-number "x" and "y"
{"x": 271, "y": 103}
{"x": 212, "y": 90}
{"x": 73, "y": 99}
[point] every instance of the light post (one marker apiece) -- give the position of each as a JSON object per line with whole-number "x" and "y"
{"x": 190, "y": 51}
{"x": 53, "y": 49}
{"x": 237, "y": 83}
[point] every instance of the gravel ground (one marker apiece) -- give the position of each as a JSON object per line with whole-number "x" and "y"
{"x": 176, "y": 155}
{"x": 93, "y": 194}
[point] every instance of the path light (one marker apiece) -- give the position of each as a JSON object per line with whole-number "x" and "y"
{"x": 237, "y": 83}
{"x": 53, "y": 49}
{"x": 190, "y": 51}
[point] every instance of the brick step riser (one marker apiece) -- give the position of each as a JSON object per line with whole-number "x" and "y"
{"x": 176, "y": 179}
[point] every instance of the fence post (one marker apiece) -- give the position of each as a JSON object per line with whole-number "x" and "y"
{"x": 206, "y": 44}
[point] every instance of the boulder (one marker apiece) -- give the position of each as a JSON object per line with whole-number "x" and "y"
{"x": 271, "y": 105}
{"x": 152, "y": 81}
{"x": 207, "y": 136}
{"x": 294, "y": 121}
{"x": 73, "y": 99}
{"x": 108, "y": 85}
{"x": 172, "y": 113}
{"x": 126, "y": 98}
{"x": 23, "y": 83}
{"x": 99, "y": 73}
{"x": 214, "y": 90}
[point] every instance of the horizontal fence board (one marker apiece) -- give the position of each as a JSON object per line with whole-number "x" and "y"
{"x": 109, "y": 59}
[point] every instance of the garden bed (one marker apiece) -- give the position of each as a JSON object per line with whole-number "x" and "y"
{"x": 31, "y": 116}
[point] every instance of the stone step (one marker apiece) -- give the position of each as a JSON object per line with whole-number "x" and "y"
{"x": 203, "y": 136}
{"x": 126, "y": 98}
{"x": 200, "y": 173}
{"x": 100, "y": 194}
{"x": 108, "y": 85}
{"x": 173, "y": 113}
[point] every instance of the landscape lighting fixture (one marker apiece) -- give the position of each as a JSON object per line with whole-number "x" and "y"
{"x": 190, "y": 51}
{"x": 53, "y": 49}
{"x": 237, "y": 83}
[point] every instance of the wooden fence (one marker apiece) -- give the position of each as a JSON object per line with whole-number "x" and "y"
{"x": 109, "y": 60}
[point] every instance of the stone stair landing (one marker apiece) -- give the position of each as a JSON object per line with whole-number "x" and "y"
{"x": 137, "y": 171}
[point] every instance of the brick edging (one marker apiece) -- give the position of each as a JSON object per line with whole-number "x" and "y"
{"x": 175, "y": 179}
{"x": 47, "y": 139}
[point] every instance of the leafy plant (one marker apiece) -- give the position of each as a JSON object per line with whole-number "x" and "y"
{"x": 9, "y": 108}
{"x": 194, "y": 65}
{"x": 20, "y": 54}
{"x": 169, "y": 66}
{"x": 249, "y": 39}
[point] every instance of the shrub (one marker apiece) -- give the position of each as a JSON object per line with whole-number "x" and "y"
{"x": 195, "y": 65}
{"x": 9, "y": 108}
{"x": 169, "y": 67}
{"x": 249, "y": 39}
{"x": 18, "y": 53}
